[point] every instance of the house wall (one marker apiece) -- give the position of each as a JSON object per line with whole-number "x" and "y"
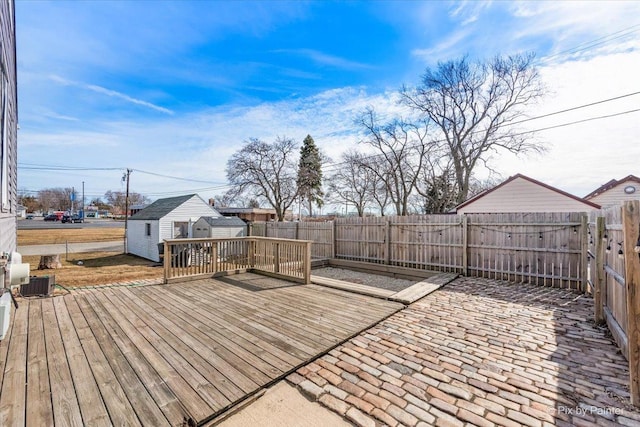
{"x": 616, "y": 195}
{"x": 524, "y": 196}
{"x": 8, "y": 128}
{"x": 138, "y": 243}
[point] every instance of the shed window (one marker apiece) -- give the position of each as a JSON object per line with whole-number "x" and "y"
{"x": 147, "y": 229}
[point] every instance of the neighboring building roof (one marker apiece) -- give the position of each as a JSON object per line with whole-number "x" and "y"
{"x": 245, "y": 210}
{"x": 224, "y": 221}
{"x": 609, "y": 185}
{"x": 161, "y": 207}
{"x": 587, "y": 203}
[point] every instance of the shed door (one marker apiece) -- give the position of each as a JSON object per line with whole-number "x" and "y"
{"x": 180, "y": 230}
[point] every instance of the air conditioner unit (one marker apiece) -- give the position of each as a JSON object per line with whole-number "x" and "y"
{"x": 38, "y": 286}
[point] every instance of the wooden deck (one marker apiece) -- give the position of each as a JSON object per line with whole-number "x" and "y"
{"x": 167, "y": 354}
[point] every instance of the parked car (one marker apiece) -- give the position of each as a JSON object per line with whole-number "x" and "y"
{"x": 72, "y": 218}
{"x": 30, "y": 216}
{"x": 51, "y": 217}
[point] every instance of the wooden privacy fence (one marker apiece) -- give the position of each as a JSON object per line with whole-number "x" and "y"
{"x": 321, "y": 233}
{"x": 614, "y": 275}
{"x": 543, "y": 248}
{"x": 189, "y": 258}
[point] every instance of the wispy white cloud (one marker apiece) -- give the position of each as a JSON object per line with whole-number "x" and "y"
{"x": 326, "y": 59}
{"x": 566, "y": 30}
{"x": 467, "y": 12}
{"x": 111, "y": 93}
{"x": 57, "y": 116}
{"x": 449, "y": 47}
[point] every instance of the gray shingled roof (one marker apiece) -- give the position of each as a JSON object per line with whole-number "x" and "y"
{"x": 224, "y": 221}
{"x": 160, "y": 207}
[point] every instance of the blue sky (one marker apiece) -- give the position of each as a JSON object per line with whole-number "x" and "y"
{"x": 175, "y": 87}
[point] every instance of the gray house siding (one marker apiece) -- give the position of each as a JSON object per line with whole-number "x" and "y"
{"x": 8, "y": 127}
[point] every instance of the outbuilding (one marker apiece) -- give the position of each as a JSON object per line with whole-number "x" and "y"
{"x": 170, "y": 218}
{"x": 219, "y": 227}
{"x": 523, "y": 194}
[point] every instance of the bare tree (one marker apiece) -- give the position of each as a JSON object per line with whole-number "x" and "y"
{"x": 354, "y": 182}
{"x": 401, "y": 147}
{"x": 55, "y": 198}
{"x": 266, "y": 171}
{"x": 117, "y": 200}
{"x": 474, "y": 105}
{"x": 437, "y": 189}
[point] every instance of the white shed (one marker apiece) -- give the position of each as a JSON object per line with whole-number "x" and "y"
{"x": 170, "y": 218}
{"x": 220, "y": 227}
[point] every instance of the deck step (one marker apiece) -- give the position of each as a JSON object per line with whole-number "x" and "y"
{"x": 423, "y": 288}
{"x": 352, "y": 287}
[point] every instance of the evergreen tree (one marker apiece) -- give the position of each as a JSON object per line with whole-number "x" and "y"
{"x": 310, "y": 174}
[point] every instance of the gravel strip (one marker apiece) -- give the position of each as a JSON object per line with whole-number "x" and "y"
{"x": 375, "y": 280}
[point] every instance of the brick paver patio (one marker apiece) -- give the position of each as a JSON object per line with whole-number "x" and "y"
{"x": 478, "y": 352}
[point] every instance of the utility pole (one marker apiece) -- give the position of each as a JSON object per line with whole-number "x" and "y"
{"x": 125, "y": 177}
{"x": 83, "y": 200}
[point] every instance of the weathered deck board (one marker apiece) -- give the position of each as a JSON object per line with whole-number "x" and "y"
{"x": 66, "y": 410}
{"x": 12, "y": 394}
{"x": 38, "y": 388}
{"x": 423, "y": 288}
{"x": 167, "y": 361}
{"x": 352, "y": 287}
{"x": 92, "y": 407}
{"x": 159, "y": 355}
{"x": 120, "y": 410}
{"x": 256, "y": 367}
{"x": 148, "y": 375}
{"x": 146, "y": 409}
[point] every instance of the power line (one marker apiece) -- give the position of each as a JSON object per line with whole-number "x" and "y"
{"x": 177, "y": 177}
{"x": 615, "y": 98}
{"x": 595, "y": 42}
{"x": 334, "y": 165}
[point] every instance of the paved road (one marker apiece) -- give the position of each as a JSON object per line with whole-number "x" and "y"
{"x": 60, "y": 248}
{"x": 38, "y": 223}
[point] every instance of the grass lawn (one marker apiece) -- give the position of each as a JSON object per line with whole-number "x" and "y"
{"x": 98, "y": 268}
{"x": 71, "y": 235}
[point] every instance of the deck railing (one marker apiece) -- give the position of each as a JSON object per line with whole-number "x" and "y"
{"x": 192, "y": 258}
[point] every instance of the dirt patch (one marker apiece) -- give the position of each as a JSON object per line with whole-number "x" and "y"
{"x": 98, "y": 268}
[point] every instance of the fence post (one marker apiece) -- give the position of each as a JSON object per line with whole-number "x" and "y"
{"x": 465, "y": 246}
{"x": 307, "y": 264}
{"x": 631, "y": 232}
{"x": 252, "y": 253}
{"x": 584, "y": 251}
{"x": 333, "y": 239}
{"x": 214, "y": 257}
{"x": 276, "y": 258}
{"x": 387, "y": 252}
{"x": 598, "y": 273}
{"x": 166, "y": 261}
